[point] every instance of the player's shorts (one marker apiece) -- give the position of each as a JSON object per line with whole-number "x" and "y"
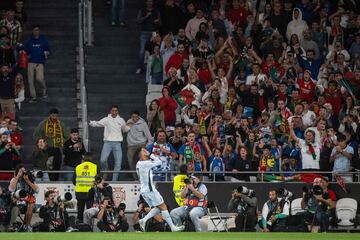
{"x": 153, "y": 198}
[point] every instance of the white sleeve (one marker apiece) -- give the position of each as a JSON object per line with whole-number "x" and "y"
{"x": 100, "y": 123}
{"x": 265, "y": 211}
{"x": 155, "y": 160}
{"x": 286, "y": 208}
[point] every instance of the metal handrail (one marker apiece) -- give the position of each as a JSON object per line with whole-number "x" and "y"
{"x": 85, "y": 37}
{"x": 167, "y": 173}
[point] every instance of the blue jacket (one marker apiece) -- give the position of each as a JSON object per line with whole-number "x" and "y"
{"x": 35, "y": 48}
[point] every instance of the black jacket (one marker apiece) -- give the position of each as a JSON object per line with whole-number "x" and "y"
{"x": 72, "y": 156}
{"x": 7, "y": 86}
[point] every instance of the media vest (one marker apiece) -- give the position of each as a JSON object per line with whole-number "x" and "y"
{"x": 178, "y": 186}
{"x": 85, "y": 176}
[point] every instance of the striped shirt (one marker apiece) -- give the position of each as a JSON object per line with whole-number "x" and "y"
{"x": 15, "y": 30}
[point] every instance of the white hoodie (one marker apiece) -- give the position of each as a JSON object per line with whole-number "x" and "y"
{"x": 113, "y": 127}
{"x": 296, "y": 26}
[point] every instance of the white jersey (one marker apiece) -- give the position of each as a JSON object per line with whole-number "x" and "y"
{"x": 145, "y": 173}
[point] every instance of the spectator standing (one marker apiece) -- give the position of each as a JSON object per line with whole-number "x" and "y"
{"x": 38, "y": 49}
{"x": 114, "y": 126}
{"x": 297, "y": 25}
{"x": 73, "y": 150}
{"x": 155, "y": 117}
{"x": 20, "y": 13}
{"x": 16, "y": 137}
{"x": 7, "y": 90}
{"x": 7, "y": 152}
{"x": 192, "y": 26}
{"x": 172, "y": 17}
{"x": 53, "y": 131}
{"x": 137, "y": 138}
{"x": 6, "y": 53}
{"x": 149, "y": 20}
{"x": 14, "y": 26}
{"x": 118, "y": 13}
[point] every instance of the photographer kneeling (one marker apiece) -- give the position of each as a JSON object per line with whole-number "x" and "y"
{"x": 54, "y": 214}
{"x": 244, "y": 203}
{"x": 112, "y": 219}
{"x": 23, "y": 182}
{"x": 316, "y": 202}
{"x": 274, "y": 213}
{"x": 195, "y": 204}
{"x": 96, "y": 195}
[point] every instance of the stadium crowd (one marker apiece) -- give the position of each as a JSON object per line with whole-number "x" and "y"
{"x": 270, "y": 86}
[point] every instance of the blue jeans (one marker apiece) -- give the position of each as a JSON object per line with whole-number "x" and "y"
{"x": 68, "y": 176}
{"x": 179, "y": 214}
{"x": 118, "y": 11}
{"x": 115, "y": 148}
{"x": 144, "y": 37}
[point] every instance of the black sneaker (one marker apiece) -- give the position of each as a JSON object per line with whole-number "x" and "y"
{"x": 33, "y": 100}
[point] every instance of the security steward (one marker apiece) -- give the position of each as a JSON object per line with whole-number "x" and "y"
{"x": 179, "y": 184}
{"x": 85, "y": 174}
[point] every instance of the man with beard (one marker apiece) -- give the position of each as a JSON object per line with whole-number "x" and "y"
{"x": 165, "y": 152}
{"x": 53, "y": 131}
{"x": 7, "y": 90}
{"x": 310, "y": 149}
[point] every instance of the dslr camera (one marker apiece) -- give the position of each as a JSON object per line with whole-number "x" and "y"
{"x": 245, "y": 191}
{"x": 310, "y": 192}
{"x": 66, "y": 197}
{"x": 21, "y": 193}
{"x": 284, "y": 193}
{"x": 122, "y": 206}
{"x": 33, "y": 174}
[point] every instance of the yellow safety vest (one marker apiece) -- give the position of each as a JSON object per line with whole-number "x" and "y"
{"x": 178, "y": 186}
{"x": 85, "y": 176}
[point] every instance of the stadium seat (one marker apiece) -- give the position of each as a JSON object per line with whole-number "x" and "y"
{"x": 346, "y": 211}
{"x": 296, "y": 206}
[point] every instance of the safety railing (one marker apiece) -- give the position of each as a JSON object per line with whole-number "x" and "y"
{"x": 212, "y": 176}
{"x": 85, "y": 31}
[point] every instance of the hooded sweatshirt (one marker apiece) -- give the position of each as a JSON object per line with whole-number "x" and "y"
{"x": 139, "y": 133}
{"x": 35, "y": 48}
{"x": 113, "y": 127}
{"x": 296, "y": 26}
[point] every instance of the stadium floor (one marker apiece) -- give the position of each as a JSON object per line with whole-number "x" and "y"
{"x": 177, "y": 236}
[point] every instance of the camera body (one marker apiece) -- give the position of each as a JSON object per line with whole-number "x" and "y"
{"x": 19, "y": 194}
{"x": 33, "y": 174}
{"x": 187, "y": 181}
{"x": 310, "y": 192}
{"x": 66, "y": 197}
{"x": 245, "y": 191}
{"x": 284, "y": 193}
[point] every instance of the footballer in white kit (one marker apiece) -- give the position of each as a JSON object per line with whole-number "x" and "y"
{"x": 148, "y": 191}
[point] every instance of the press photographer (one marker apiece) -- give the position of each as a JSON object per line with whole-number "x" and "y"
{"x": 97, "y": 194}
{"x": 54, "y": 214}
{"x": 23, "y": 183}
{"x": 155, "y": 224}
{"x": 5, "y": 201}
{"x": 274, "y": 213}
{"x": 244, "y": 202}
{"x": 111, "y": 218}
{"x": 195, "y": 204}
{"x": 317, "y": 203}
